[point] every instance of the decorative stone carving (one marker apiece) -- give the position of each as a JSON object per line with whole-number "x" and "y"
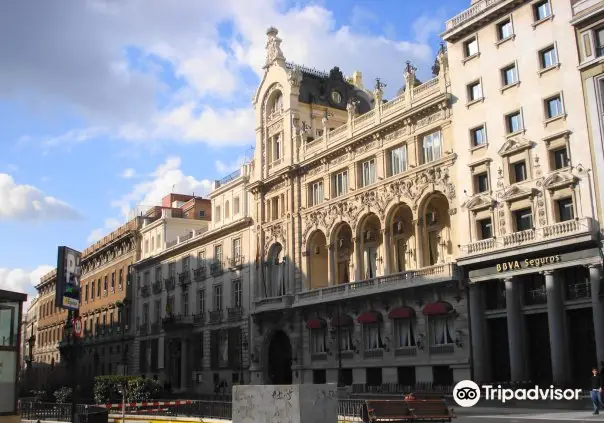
{"x": 339, "y": 160}
{"x": 401, "y": 132}
{"x": 479, "y": 202}
{"x": 366, "y": 147}
{"x": 515, "y": 192}
{"x": 274, "y": 233}
{"x": 500, "y": 184}
{"x": 513, "y": 145}
{"x": 537, "y": 167}
{"x": 294, "y": 77}
{"x": 429, "y": 119}
{"x": 275, "y": 129}
{"x": 273, "y": 47}
{"x": 559, "y": 180}
{"x": 541, "y": 209}
{"x": 316, "y": 170}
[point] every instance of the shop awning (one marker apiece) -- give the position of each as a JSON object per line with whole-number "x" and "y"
{"x": 401, "y": 313}
{"x": 315, "y": 324}
{"x": 341, "y": 320}
{"x": 438, "y": 308}
{"x": 369, "y": 317}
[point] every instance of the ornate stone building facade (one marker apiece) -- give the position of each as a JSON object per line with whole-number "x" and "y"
{"x": 527, "y": 221}
{"x": 355, "y": 225}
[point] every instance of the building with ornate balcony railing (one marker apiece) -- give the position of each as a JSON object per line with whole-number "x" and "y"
{"x": 527, "y": 223}
{"x": 198, "y": 316}
{"x": 355, "y": 216}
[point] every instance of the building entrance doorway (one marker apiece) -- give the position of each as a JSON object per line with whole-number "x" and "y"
{"x": 280, "y": 359}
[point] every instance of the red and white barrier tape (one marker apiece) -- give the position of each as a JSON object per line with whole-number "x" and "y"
{"x": 146, "y": 404}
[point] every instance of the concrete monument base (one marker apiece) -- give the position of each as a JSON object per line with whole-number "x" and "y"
{"x": 285, "y": 403}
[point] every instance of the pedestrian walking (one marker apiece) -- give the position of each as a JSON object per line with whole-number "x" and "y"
{"x": 595, "y": 391}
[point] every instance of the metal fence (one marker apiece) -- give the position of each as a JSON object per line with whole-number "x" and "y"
{"x": 35, "y": 410}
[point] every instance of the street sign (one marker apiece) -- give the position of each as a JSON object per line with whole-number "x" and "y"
{"x": 77, "y": 327}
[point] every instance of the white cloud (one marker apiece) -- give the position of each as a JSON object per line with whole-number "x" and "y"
{"x": 26, "y": 202}
{"x": 110, "y": 224}
{"x": 167, "y": 178}
{"x": 21, "y": 280}
{"x": 128, "y": 173}
{"x": 73, "y": 55}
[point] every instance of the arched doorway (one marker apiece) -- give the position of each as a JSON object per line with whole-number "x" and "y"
{"x": 280, "y": 359}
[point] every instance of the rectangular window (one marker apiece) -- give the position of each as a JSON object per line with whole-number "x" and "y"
{"x": 548, "y": 57}
{"x": 120, "y": 280}
{"x": 157, "y": 310}
{"x": 158, "y": 275}
{"x": 237, "y": 293}
{"x": 513, "y": 122}
{"x": 478, "y": 136}
{"x": 237, "y": 249}
{"x": 106, "y": 284}
{"x": 474, "y": 91}
{"x": 560, "y": 158}
{"x": 398, "y": 160}
{"x": 98, "y": 288}
{"x": 236, "y": 205}
{"x": 217, "y": 214}
{"x": 113, "y": 281}
{"x": 185, "y": 264}
{"x": 145, "y": 314}
{"x": 471, "y": 47}
{"x": 441, "y": 330}
{"x": 523, "y": 219}
{"x": 201, "y": 302}
{"x": 553, "y": 107}
{"x": 275, "y": 208}
{"x": 218, "y": 253}
{"x": 599, "y": 42}
{"x": 565, "y": 209}
{"x": 316, "y": 193}
{"x": 504, "y": 29}
{"x": 185, "y": 303}
{"x": 340, "y": 182}
{"x": 201, "y": 258}
{"x": 486, "y": 228}
{"x": 404, "y": 333}
{"x": 482, "y": 182}
{"x": 217, "y": 298}
{"x": 432, "y": 146}
{"x": 317, "y": 341}
{"x": 371, "y": 336}
{"x": 542, "y": 10}
{"x": 170, "y": 305}
{"x": 509, "y": 75}
{"x": 519, "y": 171}
{"x": 368, "y": 173}
{"x": 277, "y": 147}
{"x": 91, "y": 292}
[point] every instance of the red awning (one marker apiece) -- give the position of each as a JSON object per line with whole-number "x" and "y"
{"x": 401, "y": 313}
{"x": 342, "y": 320}
{"x": 315, "y": 324}
{"x": 369, "y": 317}
{"x": 437, "y": 309}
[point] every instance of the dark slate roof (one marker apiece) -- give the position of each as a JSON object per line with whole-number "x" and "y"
{"x": 316, "y": 88}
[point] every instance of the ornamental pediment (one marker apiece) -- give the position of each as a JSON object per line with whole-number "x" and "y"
{"x": 559, "y": 180}
{"x": 514, "y": 145}
{"x": 479, "y": 202}
{"x": 515, "y": 192}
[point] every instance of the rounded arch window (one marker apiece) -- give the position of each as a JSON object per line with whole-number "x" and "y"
{"x": 275, "y": 104}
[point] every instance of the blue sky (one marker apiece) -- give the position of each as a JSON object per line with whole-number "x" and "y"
{"x": 106, "y": 105}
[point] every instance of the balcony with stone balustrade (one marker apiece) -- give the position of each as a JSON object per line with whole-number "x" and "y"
{"x": 380, "y": 285}
{"x": 476, "y": 16}
{"x": 557, "y": 234}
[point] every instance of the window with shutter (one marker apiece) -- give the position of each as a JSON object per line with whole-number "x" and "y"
{"x": 214, "y": 349}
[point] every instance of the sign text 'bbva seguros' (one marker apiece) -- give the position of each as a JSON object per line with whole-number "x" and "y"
{"x": 527, "y": 263}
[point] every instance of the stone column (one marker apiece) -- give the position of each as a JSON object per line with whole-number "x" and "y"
{"x": 515, "y": 330}
{"x": 331, "y": 265}
{"x": 557, "y": 327}
{"x": 387, "y": 251}
{"x": 480, "y": 350}
{"x": 595, "y": 274}
{"x": 419, "y": 243}
{"x": 357, "y": 258}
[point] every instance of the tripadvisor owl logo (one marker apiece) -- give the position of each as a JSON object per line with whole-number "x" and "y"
{"x": 466, "y": 393}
